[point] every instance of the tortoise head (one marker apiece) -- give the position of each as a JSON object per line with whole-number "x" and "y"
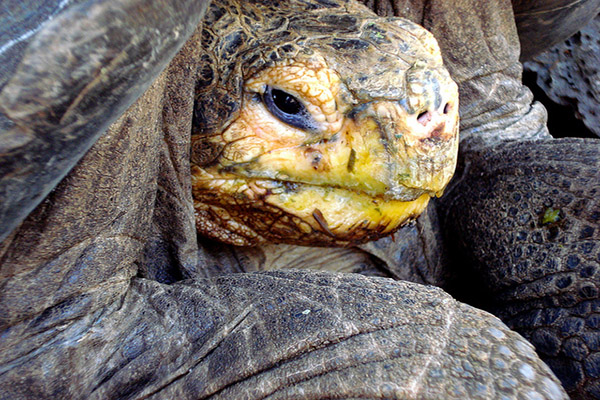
{"x": 338, "y": 131}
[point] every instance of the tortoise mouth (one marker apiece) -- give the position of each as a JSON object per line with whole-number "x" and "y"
{"x": 283, "y": 211}
{"x": 340, "y": 210}
{"x": 269, "y": 186}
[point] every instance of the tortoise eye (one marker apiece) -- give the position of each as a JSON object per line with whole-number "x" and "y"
{"x": 288, "y": 109}
{"x": 286, "y": 102}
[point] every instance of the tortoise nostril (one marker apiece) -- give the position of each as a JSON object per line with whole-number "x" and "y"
{"x": 424, "y": 118}
{"x": 447, "y": 108}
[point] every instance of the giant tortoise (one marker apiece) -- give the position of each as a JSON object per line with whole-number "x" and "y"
{"x": 108, "y": 291}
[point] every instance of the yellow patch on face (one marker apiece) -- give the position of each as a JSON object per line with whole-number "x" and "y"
{"x": 346, "y": 214}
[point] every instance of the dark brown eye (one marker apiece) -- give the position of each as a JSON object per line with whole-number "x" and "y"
{"x": 286, "y": 102}
{"x": 288, "y": 109}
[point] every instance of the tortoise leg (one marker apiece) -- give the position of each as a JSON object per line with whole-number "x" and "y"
{"x": 67, "y": 77}
{"x": 529, "y": 227}
{"x": 280, "y": 335}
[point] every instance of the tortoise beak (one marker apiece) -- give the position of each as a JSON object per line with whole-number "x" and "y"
{"x": 421, "y": 143}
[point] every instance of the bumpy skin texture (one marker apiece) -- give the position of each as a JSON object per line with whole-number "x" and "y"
{"x": 85, "y": 315}
{"x": 539, "y": 253}
{"x": 280, "y": 335}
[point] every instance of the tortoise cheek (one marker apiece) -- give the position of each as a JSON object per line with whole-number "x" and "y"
{"x": 204, "y": 151}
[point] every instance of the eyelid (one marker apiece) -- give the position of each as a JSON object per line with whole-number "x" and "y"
{"x": 302, "y": 120}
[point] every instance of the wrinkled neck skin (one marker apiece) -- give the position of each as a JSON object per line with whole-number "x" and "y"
{"x": 381, "y": 137}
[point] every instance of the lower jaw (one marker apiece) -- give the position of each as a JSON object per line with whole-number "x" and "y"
{"x": 304, "y": 214}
